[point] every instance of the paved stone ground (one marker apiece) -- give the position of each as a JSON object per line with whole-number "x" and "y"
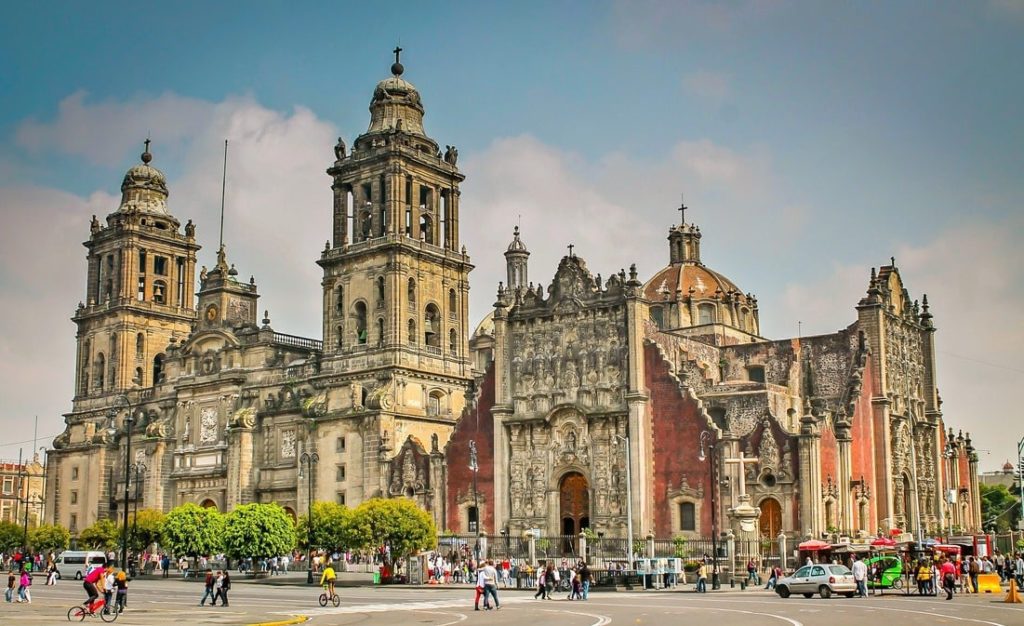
{"x": 175, "y": 602}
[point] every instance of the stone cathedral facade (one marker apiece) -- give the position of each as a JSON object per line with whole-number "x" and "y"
{"x": 575, "y": 396}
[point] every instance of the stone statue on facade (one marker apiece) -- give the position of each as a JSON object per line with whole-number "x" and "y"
{"x": 339, "y": 150}
{"x": 451, "y": 155}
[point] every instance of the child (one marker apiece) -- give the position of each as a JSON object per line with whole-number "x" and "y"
{"x": 121, "y": 583}
{"x": 9, "y": 593}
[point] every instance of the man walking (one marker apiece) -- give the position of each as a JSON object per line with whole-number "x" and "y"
{"x": 860, "y": 575}
{"x": 702, "y": 578}
{"x": 491, "y": 584}
{"x": 208, "y": 593}
{"x": 585, "y": 579}
{"x": 948, "y": 572}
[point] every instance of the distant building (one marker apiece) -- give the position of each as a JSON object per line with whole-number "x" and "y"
{"x": 1006, "y": 476}
{"x": 22, "y": 490}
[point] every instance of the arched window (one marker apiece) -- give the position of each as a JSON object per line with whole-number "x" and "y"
{"x": 412, "y": 332}
{"x": 453, "y": 342}
{"x": 473, "y": 519}
{"x": 426, "y": 229}
{"x": 158, "y": 369}
{"x": 706, "y": 314}
{"x": 435, "y": 403}
{"x": 453, "y": 304}
{"x": 687, "y": 516}
{"x": 412, "y": 293}
{"x": 140, "y": 346}
{"x": 657, "y": 316}
{"x": 86, "y": 356}
{"x": 380, "y": 331}
{"x": 360, "y": 314}
{"x": 365, "y": 223}
{"x": 99, "y": 372}
{"x": 380, "y": 292}
{"x": 160, "y": 291}
{"x": 432, "y": 326}
{"x": 339, "y": 299}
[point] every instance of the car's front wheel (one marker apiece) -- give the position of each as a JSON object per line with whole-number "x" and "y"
{"x": 78, "y": 575}
{"x": 825, "y": 591}
{"x": 782, "y": 591}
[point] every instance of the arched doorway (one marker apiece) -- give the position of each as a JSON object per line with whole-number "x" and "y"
{"x": 771, "y": 518}
{"x": 574, "y": 499}
{"x": 208, "y": 504}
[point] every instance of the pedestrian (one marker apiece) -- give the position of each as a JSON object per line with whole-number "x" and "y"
{"x": 25, "y": 591}
{"x": 702, "y": 578}
{"x": 948, "y": 571}
{"x": 491, "y": 584}
{"x": 550, "y": 580}
{"x": 924, "y": 576}
{"x": 11, "y": 581}
{"x": 208, "y": 588}
{"x": 51, "y": 574}
{"x": 772, "y": 578}
{"x": 165, "y": 565}
{"x": 218, "y": 581}
{"x": 541, "y": 588}
{"x": 225, "y": 587}
{"x": 973, "y": 569}
{"x": 585, "y": 576}
{"x": 183, "y": 566}
{"x": 752, "y": 572}
{"x": 481, "y": 585}
{"x": 109, "y": 580}
{"x": 860, "y": 576}
{"x": 121, "y": 585}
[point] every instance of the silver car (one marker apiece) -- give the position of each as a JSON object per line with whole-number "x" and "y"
{"x": 822, "y": 578}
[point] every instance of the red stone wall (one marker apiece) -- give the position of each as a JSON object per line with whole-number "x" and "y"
{"x": 862, "y": 449}
{"x": 475, "y": 425}
{"x": 676, "y": 428}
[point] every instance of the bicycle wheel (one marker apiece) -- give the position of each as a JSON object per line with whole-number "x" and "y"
{"x": 109, "y": 616}
{"x": 323, "y": 599}
{"x": 76, "y": 613}
{"x": 336, "y": 600}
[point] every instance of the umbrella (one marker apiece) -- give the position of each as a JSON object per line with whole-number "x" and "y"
{"x": 813, "y": 545}
{"x": 883, "y": 542}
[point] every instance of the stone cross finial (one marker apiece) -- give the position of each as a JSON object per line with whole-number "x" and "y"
{"x": 571, "y": 246}
{"x": 682, "y": 209}
{"x": 398, "y": 53}
{"x": 742, "y": 461}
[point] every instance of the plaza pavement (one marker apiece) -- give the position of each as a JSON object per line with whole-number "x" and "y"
{"x": 172, "y": 601}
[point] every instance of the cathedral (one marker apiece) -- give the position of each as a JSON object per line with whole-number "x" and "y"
{"x": 601, "y": 402}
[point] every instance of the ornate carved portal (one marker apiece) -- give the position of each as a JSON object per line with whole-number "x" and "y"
{"x": 575, "y": 503}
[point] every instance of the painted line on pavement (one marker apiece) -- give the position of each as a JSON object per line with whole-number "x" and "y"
{"x": 704, "y": 608}
{"x": 298, "y": 619}
{"x": 462, "y": 617}
{"x": 602, "y": 620}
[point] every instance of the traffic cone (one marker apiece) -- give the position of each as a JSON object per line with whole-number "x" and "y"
{"x": 1012, "y": 597}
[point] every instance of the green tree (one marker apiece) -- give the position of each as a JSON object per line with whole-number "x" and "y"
{"x": 397, "y": 523}
{"x": 191, "y": 530}
{"x": 104, "y": 535}
{"x": 331, "y": 527}
{"x": 999, "y": 507}
{"x": 145, "y": 528}
{"x": 49, "y": 537}
{"x": 11, "y": 536}
{"x": 258, "y": 530}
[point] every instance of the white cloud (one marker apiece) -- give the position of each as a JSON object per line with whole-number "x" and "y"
{"x": 715, "y": 87}
{"x": 656, "y": 23}
{"x": 278, "y": 216}
{"x": 973, "y": 275}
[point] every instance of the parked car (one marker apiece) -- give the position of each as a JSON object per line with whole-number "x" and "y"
{"x": 821, "y": 578}
{"x": 75, "y": 564}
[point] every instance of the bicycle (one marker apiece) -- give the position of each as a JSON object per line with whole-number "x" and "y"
{"x": 95, "y": 609}
{"x": 333, "y": 599}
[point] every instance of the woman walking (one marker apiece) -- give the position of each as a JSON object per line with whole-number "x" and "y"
{"x": 225, "y": 587}
{"x": 24, "y": 593}
{"x": 541, "y": 573}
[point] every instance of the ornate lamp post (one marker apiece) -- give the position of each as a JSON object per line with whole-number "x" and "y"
{"x": 309, "y": 459}
{"x": 629, "y": 499}
{"x": 123, "y": 402}
{"x": 705, "y": 441}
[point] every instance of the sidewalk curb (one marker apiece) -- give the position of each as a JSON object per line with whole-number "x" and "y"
{"x": 298, "y": 619}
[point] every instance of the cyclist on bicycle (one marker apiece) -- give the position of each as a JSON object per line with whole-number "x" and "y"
{"x": 329, "y": 576}
{"x": 94, "y": 583}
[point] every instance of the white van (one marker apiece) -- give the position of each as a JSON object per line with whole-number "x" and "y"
{"x": 74, "y": 564}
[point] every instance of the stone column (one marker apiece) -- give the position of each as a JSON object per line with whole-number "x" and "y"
{"x": 845, "y": 470}
{"x": 809, "y": 446}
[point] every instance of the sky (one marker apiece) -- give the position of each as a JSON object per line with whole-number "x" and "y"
{"x": 812, "y": 141}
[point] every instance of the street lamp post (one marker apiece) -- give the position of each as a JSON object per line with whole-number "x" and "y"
{"x": 705, "y": 440}
{"x": 475, "y": 468}
{"x": 139, "y": 468}
{"x": 309, "y": 459}
{"x": 123, "y": 401}
{"x": 629, "y": 499}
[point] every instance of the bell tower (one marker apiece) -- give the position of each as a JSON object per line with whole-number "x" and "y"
{"x": 139, "y": 292}
{"x": 396, "y": 278}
